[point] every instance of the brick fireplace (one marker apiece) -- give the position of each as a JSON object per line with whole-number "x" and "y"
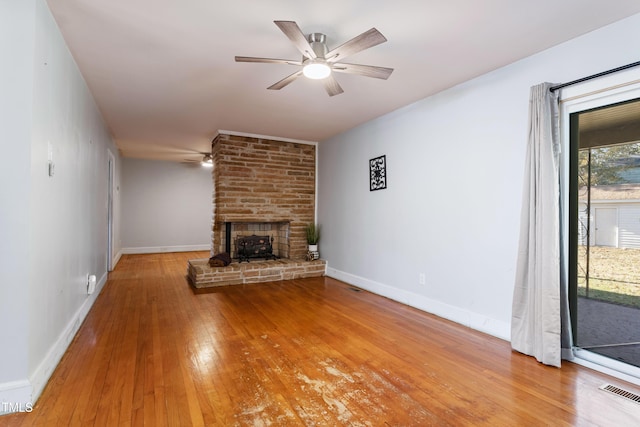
{"x": 261, "y": 187}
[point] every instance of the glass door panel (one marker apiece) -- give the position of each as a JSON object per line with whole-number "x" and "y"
{"x": 606, "y": 182}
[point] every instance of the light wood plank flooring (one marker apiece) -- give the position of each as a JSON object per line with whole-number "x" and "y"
{"x": 316, "y": 352}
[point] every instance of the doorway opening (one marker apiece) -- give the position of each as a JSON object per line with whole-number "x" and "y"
{"x": 110, "y": 184}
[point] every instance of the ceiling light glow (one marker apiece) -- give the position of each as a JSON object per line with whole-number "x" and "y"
{"x": 316, "y": 70}
{"x": 207, "y": 161}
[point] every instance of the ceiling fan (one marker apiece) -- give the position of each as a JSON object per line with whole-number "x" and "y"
{"x": 318, "y": 62}
{"x": 206, "y": 160}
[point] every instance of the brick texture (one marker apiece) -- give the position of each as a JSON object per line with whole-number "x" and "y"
{"x": 262, "y": 180}
{"x": 201, "y": 275}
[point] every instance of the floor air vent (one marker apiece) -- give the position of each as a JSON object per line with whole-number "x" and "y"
{"x": 620, "y": 392}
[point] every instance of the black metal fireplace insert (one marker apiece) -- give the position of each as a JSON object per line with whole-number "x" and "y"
{"x": 254, "y": 247}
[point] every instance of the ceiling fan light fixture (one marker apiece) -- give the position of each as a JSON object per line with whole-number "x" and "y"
{"x": 318, "y": 62}
{"x": 207, "y": 161}
{"x": 316, "y": 70}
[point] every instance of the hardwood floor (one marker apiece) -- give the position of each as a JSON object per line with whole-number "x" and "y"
{"x": 317, "y": 352}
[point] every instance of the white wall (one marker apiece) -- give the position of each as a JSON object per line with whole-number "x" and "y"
{"x": 59, "y": 234}
{"x": 455, "y": 172}
{"x": 16, "y": 76}
{"x": 166, "y": 206}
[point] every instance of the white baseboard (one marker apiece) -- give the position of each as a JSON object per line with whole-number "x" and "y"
{"x": 24, "y": 393}
{"x": 44, "y": 370}
{"x": 116, "y": 259}
{"x": 163, "y": 249}
{"x": 467, "y": 318}
{"x": 15, "y": 396}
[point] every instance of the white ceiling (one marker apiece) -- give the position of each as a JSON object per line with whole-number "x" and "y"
{"x": 164, "y": 77}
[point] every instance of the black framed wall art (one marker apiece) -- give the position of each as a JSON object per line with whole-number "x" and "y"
{"x": 378, "y": 173}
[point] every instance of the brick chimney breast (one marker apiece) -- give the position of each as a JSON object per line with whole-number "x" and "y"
{"x": 261, "y": 181}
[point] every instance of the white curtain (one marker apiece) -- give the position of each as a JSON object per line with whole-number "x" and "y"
{"x": 536, "y": 312}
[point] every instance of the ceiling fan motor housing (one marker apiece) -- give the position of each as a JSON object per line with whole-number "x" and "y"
{"x": 318, "y": 43}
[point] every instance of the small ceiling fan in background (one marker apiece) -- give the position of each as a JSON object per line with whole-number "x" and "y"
{"x": 318, "y": 62}
{"x": 205, "y": 161}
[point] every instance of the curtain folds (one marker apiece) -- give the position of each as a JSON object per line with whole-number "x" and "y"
{"x": 536, "y": 325}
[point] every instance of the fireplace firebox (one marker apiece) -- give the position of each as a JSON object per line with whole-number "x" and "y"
{"x": 254, "y": 247}
{"x": 275, "y": 236}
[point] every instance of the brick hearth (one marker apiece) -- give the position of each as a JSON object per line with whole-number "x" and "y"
{"x": 201, "y": 275}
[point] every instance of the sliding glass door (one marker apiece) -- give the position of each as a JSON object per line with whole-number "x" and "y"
{"x": 604, "y": 230}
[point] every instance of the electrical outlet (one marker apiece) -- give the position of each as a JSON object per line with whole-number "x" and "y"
{"x": 91, "y": 284}
{"x": 422, "y": 279}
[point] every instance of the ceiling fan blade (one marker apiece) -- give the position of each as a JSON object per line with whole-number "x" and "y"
{"x": 332, "y": 86}
{"x": 295, "y": 34}
{"x": 266, "y": 60}
{"x": 282, "y": 83}
{"x": 357, "y": 44}
{"x": 363, "y": 70}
